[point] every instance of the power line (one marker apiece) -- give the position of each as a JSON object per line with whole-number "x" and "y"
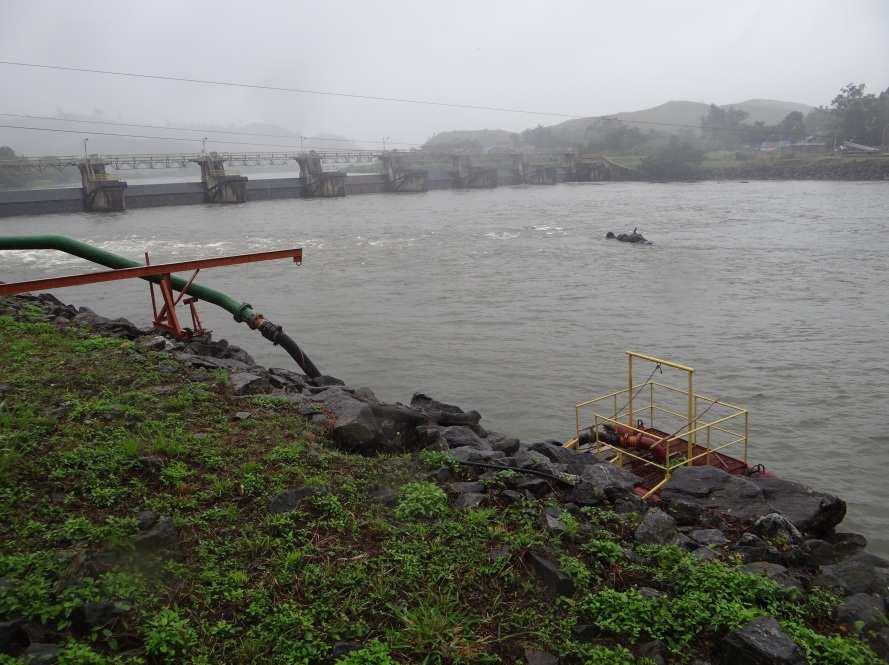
{"x": 403, "y": 100}
{"x": 158, "y": 138}
{"x": 203, "y": 130}
{"x": 303, "y": 91}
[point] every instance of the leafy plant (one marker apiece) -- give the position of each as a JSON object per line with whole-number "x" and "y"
{"x": 375, "y": 653}
{"x": 169, "y": 635}
{"x": 421, "y": 499}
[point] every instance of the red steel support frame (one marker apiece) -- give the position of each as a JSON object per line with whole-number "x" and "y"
{"x": 146, "y": 271}
{"x": 166, "y": 318}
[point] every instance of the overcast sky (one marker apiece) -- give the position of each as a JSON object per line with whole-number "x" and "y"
{"x": 584, "y": 57}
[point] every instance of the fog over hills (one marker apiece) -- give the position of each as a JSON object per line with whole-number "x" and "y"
{"x": 669, "y": 118}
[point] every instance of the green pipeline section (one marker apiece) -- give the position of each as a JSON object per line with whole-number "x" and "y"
{"x": 242, "y": 312}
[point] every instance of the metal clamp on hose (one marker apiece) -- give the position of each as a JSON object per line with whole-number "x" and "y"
{"x": 271, "y": 332}
{"x": 239, "y": 313}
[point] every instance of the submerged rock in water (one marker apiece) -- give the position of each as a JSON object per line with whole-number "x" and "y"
{"x": 634, "y": 237}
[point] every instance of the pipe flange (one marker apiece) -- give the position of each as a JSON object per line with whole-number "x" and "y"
{"x": 239, "y": 313}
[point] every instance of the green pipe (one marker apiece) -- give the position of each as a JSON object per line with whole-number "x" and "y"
{"x": 242, "y": 312}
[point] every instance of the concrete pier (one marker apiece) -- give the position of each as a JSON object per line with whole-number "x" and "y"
{"x": 316, "y": 181}
{"x": 101, "y": 193}
{"x": 219, "y": 186}
{"x": 467, "y": 176}
{"x": 401, "y": 177}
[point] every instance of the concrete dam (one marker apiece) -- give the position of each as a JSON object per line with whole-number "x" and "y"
{"x": 103, "y": 190}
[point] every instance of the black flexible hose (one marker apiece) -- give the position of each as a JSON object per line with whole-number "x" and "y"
{"x": 276, "y": 335}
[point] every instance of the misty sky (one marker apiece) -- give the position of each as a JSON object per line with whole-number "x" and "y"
{"x": 585, "y": 58}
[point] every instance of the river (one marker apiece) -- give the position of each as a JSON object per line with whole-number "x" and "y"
{"x": 511, "y": 301}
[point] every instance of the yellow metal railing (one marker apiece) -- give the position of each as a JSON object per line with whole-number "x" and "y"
{"x": 721, "y": 431}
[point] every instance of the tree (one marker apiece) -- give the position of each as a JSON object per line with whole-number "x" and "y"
{"x": 792, "y": 127}
{"x": 679, "y": 159}
{"x": 723, "y": 126}
{"x": 859, "y": 117}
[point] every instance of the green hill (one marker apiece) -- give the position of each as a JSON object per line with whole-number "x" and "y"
{"x": 668, "y": 118}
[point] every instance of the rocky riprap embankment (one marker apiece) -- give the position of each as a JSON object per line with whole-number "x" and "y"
{"x": 773, "y": 527}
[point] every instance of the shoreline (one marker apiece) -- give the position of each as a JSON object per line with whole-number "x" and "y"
{"x": 776, "y": 528}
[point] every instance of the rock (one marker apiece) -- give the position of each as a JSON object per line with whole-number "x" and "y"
{"x": 385, "y": 495}
{"x": 684, "y": 511}
{"x": 290, "y": 499}
{"x": 854, "y": 575}
{"x": 552, "y": 523}
{"x": 146, "y": 519}
{"x": 325, "y": 380}
{"x": 505, "y": 445}
{"x": 156, "y": 343}
{"x": 657, "y": 528}
{"x": 609, "y": 480}
{"x": 463, "y": 488}
{"x": 648, "y": 592}
{"x": 862, "y": 611}
{"x": 470, "y": 454}
{"x": 248, "y": 383}
{"x": 512, "y": 497}
{"x": 534, "y": 486}
{"x": 847, "y": 544}
{"x": 365, "y": 394}
{"x": 535, "y": 657}
{"x": 708, "y": 537}
{"x": 460, "y": 435}
{"x": 287, "y": 379}
{"x": 91, "y": 616}
{"x": 220, "y": 349}
{"x": 751, "y": 547}
{"x": 241, "y": 415}
{"x": 162, "y": 534}
{"x": 654, "y": 651}
{"x": 150, "y": 463}
{"x": 705, "y": 554}
{"x": 442, "y": 474}
{"x": 777, "y": 529}
{"x": 41, "y": 654}
{"x": 554, "y": 580}
{"x": 585, "y": 494}
{"x": 427, "y": 404}
{"x": 816, "y": 552}
{"x": 761, "y": 642}
{"x": 751, "y": 498}
{"x": 775, "y": 572}
{"x": 446, "y": 414}
{"x": 12, "y": 636}
{"x": 470, "y": 500}
{"x": 355, "y": 426}
{"x": 531, "y": 459}
{"x": 631, "y": 503}
{"x": 340, "y": 649}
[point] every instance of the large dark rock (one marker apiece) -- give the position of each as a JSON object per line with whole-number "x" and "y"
{"x": 12, "y": 636}
{"x": 460, "y": 435}
{"x": 219, "y": 349}
{"x": 761, "y": 642}
{"x": 470, "y": 454}
{"x": 248, "y": 383}
{"x": 708, "y": 537}
{"x": 531, "y": 459}
{"x": 446, "y": 414}
{"x": 42, "y": 654}
{"x": 163, "y": 534}
{"x": 775, "y": 526}
{"x": 775, "y": 572}
{"x": 609, "y": 480}
{"x": 862, "y": 611}
{"x": 657, "y": 528}
{"x": 470, "y": 500}
{"x": 535, "y": 657}
{"x": 355, "y": 426}
{"x": 751, "y": 498}
{"x": 555, "y": 581}
{"x": 857, "y": 574}
{"x": 504, "y": 444}
{"x": 290, "y": 499}
{"x": 92, "y": 616}
{"x": 287, "y": 379}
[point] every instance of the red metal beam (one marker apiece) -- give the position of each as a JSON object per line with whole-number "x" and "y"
{"x": 146, "y": 271}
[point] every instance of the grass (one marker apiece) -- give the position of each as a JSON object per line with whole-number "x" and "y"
{"x": 92, "y": 434}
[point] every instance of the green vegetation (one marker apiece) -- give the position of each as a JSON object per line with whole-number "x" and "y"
{"x": 92, "y": 435}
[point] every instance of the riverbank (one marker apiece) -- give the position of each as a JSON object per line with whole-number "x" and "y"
{"x": 179, "y": 503}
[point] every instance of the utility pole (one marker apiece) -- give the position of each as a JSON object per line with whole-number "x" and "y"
{"x": 204, "y": 146}
{"x": 385, "y": 138}
{"x": 84, "y": 148}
